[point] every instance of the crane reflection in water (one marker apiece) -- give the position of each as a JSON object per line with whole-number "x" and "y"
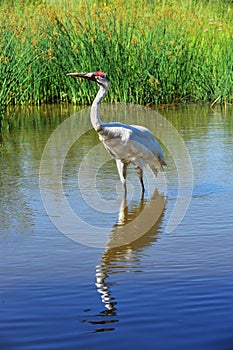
{"x": 124, "y": 250}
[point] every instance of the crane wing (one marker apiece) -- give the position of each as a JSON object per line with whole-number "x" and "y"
{"x": 130, "y": 142}
{"x": 145, "y": 137}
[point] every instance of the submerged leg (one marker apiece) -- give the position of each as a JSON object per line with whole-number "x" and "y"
{"x": 121, "y": 167}
{"x": 140, "y": 175}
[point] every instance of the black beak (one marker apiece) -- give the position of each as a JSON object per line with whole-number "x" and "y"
{"x": 89, "y": 76}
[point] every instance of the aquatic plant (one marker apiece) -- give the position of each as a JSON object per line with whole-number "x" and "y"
{"x": 155, "y": 52}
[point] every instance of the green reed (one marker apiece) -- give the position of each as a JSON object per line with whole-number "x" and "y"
{"x": 155, "y": 52}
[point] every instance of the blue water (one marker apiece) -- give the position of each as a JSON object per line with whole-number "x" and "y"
{"x": 162, "y": 291}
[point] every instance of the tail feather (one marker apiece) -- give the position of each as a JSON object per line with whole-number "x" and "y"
{"x": 162, "y": 162}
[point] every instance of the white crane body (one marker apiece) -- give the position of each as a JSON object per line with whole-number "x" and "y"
{"x": 126, "y": 143}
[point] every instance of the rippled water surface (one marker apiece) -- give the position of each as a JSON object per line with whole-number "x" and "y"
{"x": 145, "y": 287}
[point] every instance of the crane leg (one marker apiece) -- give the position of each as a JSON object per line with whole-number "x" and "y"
{"x": 154, "y": 170}
{"x": 121, "y": 167}
{"x": 140, "y": 175}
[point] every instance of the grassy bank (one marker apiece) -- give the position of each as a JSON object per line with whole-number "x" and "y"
{"x": 155, "y": 52}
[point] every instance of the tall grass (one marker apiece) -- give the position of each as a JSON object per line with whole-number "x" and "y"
{"x": 155, "y": 52}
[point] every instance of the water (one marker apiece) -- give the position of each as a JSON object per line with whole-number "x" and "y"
{"x": 162, "y": 290}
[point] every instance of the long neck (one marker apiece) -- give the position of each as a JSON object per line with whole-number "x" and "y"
{"x": 95, "y": 118}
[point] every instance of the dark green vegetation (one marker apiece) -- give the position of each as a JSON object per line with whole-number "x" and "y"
{"x": 155, "y": 52}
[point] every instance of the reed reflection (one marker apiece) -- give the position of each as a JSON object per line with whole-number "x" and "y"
{"x": 124, "y": 249}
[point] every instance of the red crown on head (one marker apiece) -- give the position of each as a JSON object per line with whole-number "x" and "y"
{"x": 100, "y": 74}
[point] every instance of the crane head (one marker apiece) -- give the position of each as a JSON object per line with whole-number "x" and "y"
{"x": 98, "y": 77}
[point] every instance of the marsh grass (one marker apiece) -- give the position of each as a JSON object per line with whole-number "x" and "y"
{"x": 155, "y": 52}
